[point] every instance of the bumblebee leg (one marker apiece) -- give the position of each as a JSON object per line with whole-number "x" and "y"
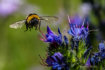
{"x": 39, "y": 25}
{"x": 30, "y": 28}
{"x": 26, "y": 26}
{"x": 35, "y": 27}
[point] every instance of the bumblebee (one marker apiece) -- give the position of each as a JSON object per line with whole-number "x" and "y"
{"x": 33, "y": 20}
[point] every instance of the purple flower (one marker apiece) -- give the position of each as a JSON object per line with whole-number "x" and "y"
{"x": 101, "y": 46}
{"x": 95, "y": 59}
{"x": 102, "y": 55}
{"x": 57, "y": 57}
{"x": 99, "y": 56}
{"x": 56, "y": 61}
{"x": 102, "y": 50}
{"x": 52, "y": 37}
{"x": 77, "y": 29}
{"x": 8, "y": 6}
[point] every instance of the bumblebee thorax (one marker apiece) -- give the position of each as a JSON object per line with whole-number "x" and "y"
{"x": 30, "y": 17}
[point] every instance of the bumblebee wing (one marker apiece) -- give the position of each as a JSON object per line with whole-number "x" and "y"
{"x": 49, "y": 20}
{"x": 18, "y": 24}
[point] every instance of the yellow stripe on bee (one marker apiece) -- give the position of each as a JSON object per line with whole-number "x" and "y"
{"x": 32, "y": 16}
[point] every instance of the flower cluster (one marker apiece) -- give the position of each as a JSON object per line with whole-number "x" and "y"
{"x": 73, "y": 55}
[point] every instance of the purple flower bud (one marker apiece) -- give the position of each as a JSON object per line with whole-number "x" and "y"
{"x": 49, "y": 30}
{"x": 66, "y": 40}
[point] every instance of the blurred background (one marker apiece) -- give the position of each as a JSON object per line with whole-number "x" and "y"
{"x": 20, "y": 50}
